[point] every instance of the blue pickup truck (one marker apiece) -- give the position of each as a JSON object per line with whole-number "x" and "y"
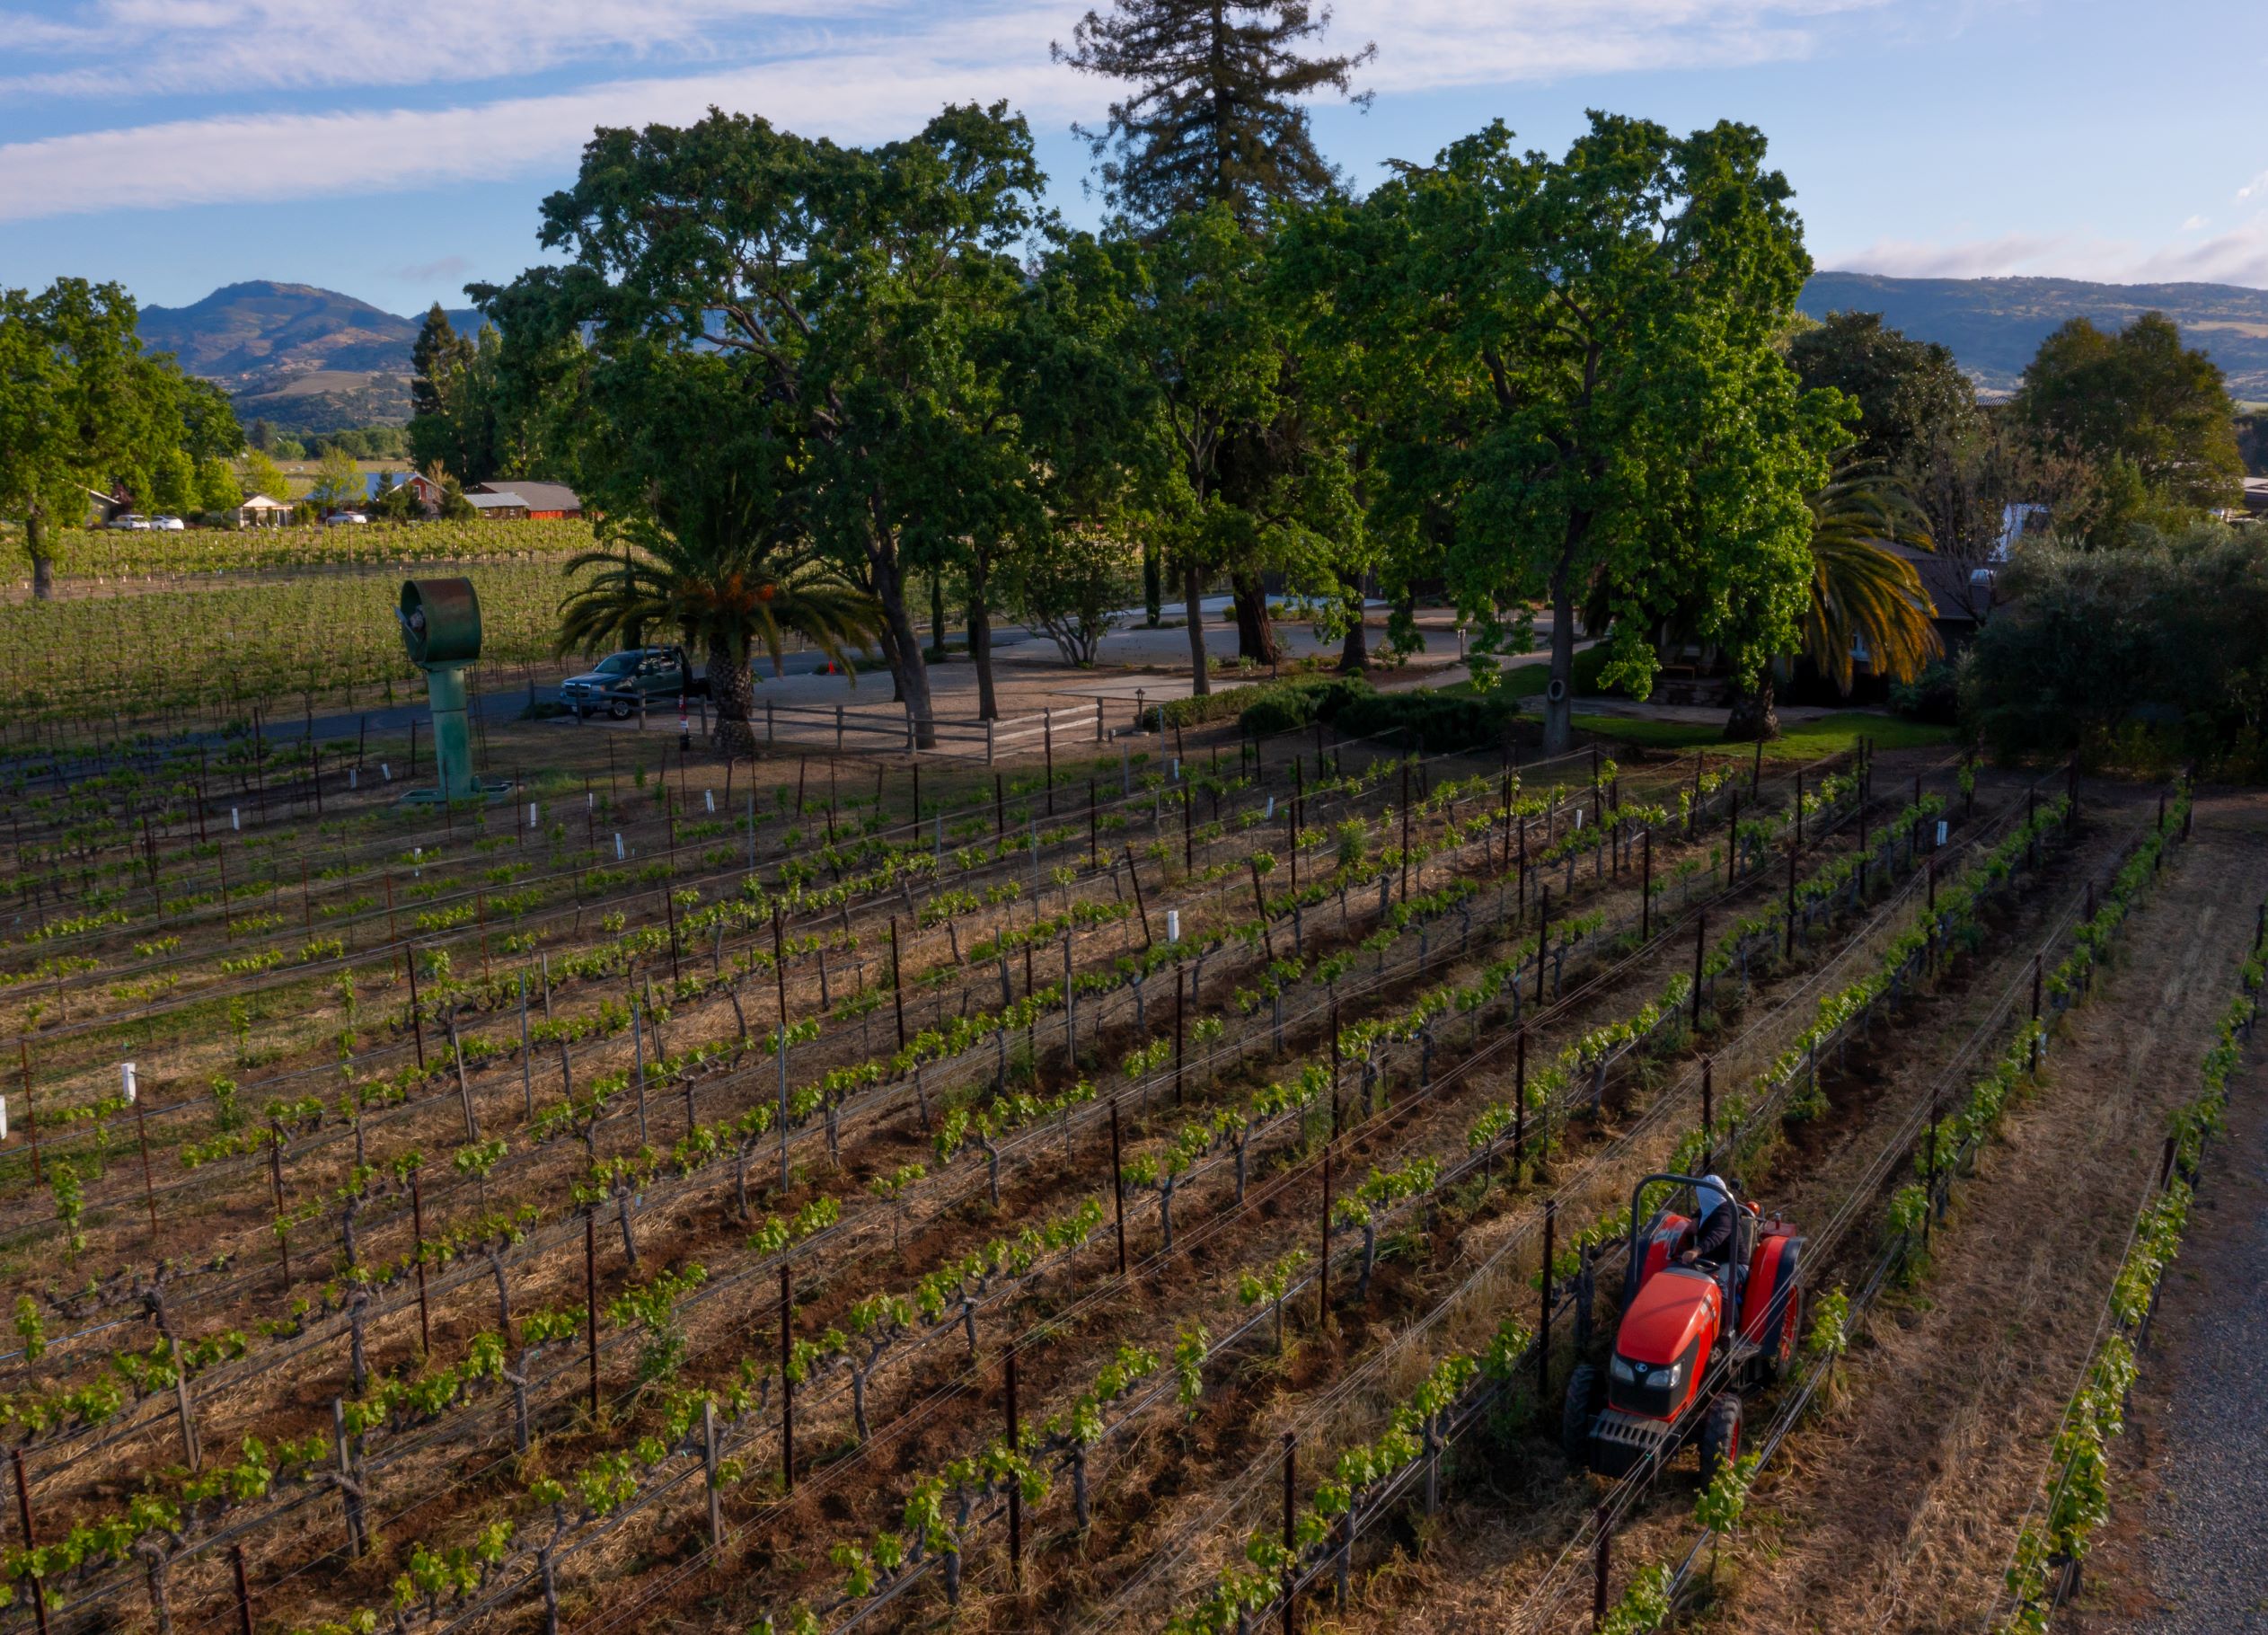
{"x": 658, "y": 676}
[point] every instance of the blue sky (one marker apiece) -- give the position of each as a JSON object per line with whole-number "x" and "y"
{"x": 394, "y": 149}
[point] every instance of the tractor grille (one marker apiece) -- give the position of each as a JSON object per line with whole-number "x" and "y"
{"x": 1621, "y": 1445}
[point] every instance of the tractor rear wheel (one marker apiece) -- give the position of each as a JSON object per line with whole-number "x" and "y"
{"x": 1575, "y": 1413}
{"x": 1720, "y": 1436}
{"x": 1779, "y": 1345}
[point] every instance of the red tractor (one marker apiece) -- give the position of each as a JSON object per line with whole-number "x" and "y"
{"x": 1692, "y": 1338}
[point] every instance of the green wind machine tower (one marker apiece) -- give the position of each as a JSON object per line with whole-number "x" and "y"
{"x": 441, "y": 627}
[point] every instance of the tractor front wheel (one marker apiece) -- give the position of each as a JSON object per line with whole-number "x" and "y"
{"x": 1720, "y": 1436}
{"x": 1575, "y": 1415}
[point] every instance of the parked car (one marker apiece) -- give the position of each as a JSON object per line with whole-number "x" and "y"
{"x": 336, "y": 517}
{"x": 133, "y": 520}
{"x": 169, "y": 524}
{"x": 659, "y": 676}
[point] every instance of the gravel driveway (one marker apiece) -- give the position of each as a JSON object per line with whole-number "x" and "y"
{"x": 2204, "y": 1552}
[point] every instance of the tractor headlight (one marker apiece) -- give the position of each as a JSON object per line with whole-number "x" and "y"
{"x": 1623, "y": 1372}
{"x": 1666, "y": 1378}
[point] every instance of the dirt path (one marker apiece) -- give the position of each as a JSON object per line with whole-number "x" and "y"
{"x": 1897, "y": 1513}
{"x": 2184, "y": 1553}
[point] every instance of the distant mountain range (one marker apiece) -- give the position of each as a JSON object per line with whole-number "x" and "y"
{"x": 308, "y": 359}
{"x": 1994, "y": 325}
{"x": 302, "y": 359}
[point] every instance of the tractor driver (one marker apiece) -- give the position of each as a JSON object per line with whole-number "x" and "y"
{"x": 1713, "y": 1237}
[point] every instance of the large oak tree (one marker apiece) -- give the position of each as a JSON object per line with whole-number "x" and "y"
{"x": 1585, "y": 391}
{"x": 863, "y": 285}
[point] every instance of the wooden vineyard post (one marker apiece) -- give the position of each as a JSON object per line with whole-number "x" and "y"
{"x": 1117, "y": 1188}
{"x": 243, "y": 1590}
{"x": 1543, "y": 934}
{"x": 30, "y": 1541}
{"x": 1140, "y": 907}
{"x": 1015, "y": 1487}
{"x": 1094, "y": 853}
{"x": 1700, "y": 949}
{"x": 2034, "y": 1066}
{"x": 1404, "y": 829}
{"x": 416, "y": 1227}
{"x": 898, "y": 992}
{"x": 1543, "y": 1309}
{"x": 1929, "y": 1177}
{"x": 1708, "y": 1112}
{"x": 30, "y": 1114}
{"x": 590, "y": 1300}
{"x": 1179, "y": 1037}
{"x": 780, "y": 985}
{"x": 708, "y": 1468}
{"x": 1799, "y": 808}
{"x": 1791, "y": 903}
{"x": 527, "y": 1069}
{"x": 787, "y": 1388}
{"x": 1291, "y": 1569}
{"x": 1520, "y": 1105}
{"x": 1323, "y": 1261}
{"x": 349, "y": 1488}
{"x": 417, "y": 1011}
{"x": 142, "y": 1135}
{"x": 1646, "y": 892}
{"x": 1733, "y": 834}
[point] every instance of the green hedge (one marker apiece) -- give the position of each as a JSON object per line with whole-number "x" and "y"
{"x": 1444, "y": 719}
{"x": 1440, "y": 720}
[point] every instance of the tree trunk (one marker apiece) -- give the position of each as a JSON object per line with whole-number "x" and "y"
{"x": 1355, "y": 652}
{"x": 1153, "y": 587}
{"x": 1753, "y": 716}
{"x": 1255, "y": 632}
{"x": 1558, "y": 700}
{"x": 902, "y": 645}
{"x": 734, "y": 691}
{"x": 35, "y": 541}
{"x": 887, "y": 639}
{"x": 980, "y": 645}
{"x": 1192, "y": 588}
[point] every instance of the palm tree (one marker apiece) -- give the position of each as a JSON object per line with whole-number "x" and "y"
{"x": 1862, "y": 592}
{"x": 709, "y": 571}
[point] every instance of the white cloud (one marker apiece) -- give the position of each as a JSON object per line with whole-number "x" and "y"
{"x": 2008, "y": 255}
{"x": 2238, "y": 256}
{"x": 223, "y": 47}
{"x": 233, "y": 46}
{"x": 448, "y": 268}
{"x": 2195, "y": 221}
{"x": 2257, "y": 187}
{"x": 861, "y": 97}
{"x": 1425, "y": 44}
{"x": 863, "y": 75}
